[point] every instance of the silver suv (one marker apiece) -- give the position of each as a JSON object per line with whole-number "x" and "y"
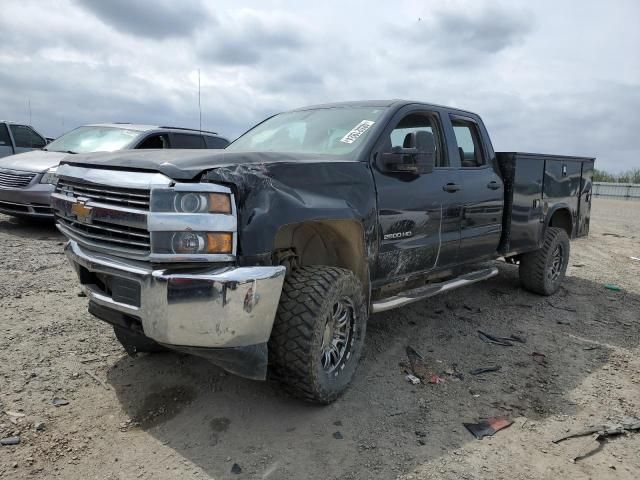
{"x": 27, "y": 179}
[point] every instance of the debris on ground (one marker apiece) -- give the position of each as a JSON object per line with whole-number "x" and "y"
{"x": 603, "y": 431}
{"x": 503, "y": 341}
{"x": 419, "y": 366}
{"x": 635, "y": 258}
{"x": 236, "y": 469}
{"x": 481, "y": 370}
{"x": 337, "y": 435}
{"x": 59, "y": 402}
{"x": 10, "y": 441}
{"x": 412, "y": 379}
{"x": 487, "y": 427}
{"x": 39, "y": 427}
{"x": 597, "y": 435}
{"x": 613, "y": 287}
{"x": 436, "y": 379}
{"x": 560, "y": 307}
{"x": 539, "y": 358}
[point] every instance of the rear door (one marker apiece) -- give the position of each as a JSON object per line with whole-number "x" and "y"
{"x": 25, "y": 138}
{"x": 482, "y": 192}
{"x": 418, "y": 214}
{"x": 6, "y": 148}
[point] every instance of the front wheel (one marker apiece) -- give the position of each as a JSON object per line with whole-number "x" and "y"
{"x": 543, "y": 271}
{"x": 318, "y": 333}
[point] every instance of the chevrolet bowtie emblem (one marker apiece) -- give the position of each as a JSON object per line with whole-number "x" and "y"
{"x": 82, "y": 212}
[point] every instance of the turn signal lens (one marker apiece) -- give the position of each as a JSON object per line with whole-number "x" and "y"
{"x": 219, "y": 242}
{"x": 219, "y": 203}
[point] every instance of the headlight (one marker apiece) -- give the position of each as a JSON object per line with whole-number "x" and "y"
{"x": 169, "y": 200}
{"x": 192, "y": 243}
{"x": 50, "y": 176}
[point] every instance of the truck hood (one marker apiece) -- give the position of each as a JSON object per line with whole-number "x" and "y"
{"x": 33, "y": 161}
{"x": 188, "y": 164}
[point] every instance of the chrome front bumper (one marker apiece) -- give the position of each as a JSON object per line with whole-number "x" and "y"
{"x": 210, "y": 307}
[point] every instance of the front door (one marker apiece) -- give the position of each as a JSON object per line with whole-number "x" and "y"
{"x": 418, "y": 214}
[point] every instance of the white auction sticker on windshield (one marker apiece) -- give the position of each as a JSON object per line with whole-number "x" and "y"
{"x": 356, "y": 131}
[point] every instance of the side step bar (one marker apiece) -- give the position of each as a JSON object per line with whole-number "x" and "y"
{"x": 410, "y": 296}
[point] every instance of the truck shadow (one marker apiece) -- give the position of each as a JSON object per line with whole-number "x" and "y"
{"x": 42, "y": 229}
{"x": 215, "y": 420}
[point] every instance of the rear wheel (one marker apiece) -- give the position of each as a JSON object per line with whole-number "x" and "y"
{"x": 318, "y": 333}
{"x": 543, "y": 271}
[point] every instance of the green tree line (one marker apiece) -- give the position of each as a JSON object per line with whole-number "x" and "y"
{"x": 630, "y": 176}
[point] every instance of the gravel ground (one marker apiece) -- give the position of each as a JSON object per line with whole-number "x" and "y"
{"x": 169, "y": 416}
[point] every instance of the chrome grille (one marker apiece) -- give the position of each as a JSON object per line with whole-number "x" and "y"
{"x": 106, "y": 217}
{"x": 14, "y": 178}
{"x": 105, "y": 234}
{"x": 122, "y": 197}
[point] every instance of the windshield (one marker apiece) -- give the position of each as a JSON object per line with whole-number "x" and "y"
{"x": 332, "y": 131}
{"x": 93, "y": 139}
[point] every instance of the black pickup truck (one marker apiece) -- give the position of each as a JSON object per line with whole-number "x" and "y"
{"x": 269, "y": 255}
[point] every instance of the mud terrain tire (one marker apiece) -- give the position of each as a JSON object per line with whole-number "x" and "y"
{"x": 318, "y": 333}
{"x": 543, "y": 271}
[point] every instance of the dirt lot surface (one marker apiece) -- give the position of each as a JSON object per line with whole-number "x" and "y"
{"x": 168, "y": 416}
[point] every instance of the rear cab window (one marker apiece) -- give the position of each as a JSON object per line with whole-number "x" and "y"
{"x": 470, "y": 148}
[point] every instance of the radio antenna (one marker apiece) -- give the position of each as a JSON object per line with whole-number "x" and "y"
{"x": 199, "y": 105}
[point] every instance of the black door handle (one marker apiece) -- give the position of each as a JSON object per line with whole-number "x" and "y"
{"x": 451, "y": 187}
{"x": 493, "y": 185}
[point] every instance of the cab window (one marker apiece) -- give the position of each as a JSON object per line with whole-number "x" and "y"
{"x": 468, "y": 140}
{"x": 400, "y": 135}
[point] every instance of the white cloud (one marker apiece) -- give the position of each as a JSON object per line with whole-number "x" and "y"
{"x": 550, "y": 76}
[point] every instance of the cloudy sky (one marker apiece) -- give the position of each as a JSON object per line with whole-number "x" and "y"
{"x": 547, "y": 76}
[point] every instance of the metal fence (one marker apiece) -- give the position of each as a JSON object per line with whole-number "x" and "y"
{"x": 618, "y": 190}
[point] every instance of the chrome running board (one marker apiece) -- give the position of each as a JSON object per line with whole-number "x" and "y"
{"x": 410, "y": 296}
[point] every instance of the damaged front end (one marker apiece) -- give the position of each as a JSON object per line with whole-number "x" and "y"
{"x": 157, "y": 258}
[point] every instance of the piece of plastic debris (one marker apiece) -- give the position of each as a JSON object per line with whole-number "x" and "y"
{"x": 10, "y": 441}
{"x": 436, "y": 379}
{"x": 613, "y": 287}
{"x": 337, "y": 435}
{"x": 481, "y": 370}
{"x": 59, "y": 402}
{"x": 487, "y": 427}
{"x": 628, "y": 425}
{"x": 539, "y": 358}
{"x": 504, "y": 341}
{"x": 587, "y": 447}
{"x": 637, "y": 259}
{"x": 236, "y": 469}
{"x": 413, "y": 379}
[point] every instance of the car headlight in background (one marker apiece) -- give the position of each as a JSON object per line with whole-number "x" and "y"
{"x": 50, "y": 176}
{"x": 168, "y": 200}
{"x": 192, "y": 243}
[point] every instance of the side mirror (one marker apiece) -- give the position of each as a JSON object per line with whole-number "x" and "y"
{"x": 417, "y": 156}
